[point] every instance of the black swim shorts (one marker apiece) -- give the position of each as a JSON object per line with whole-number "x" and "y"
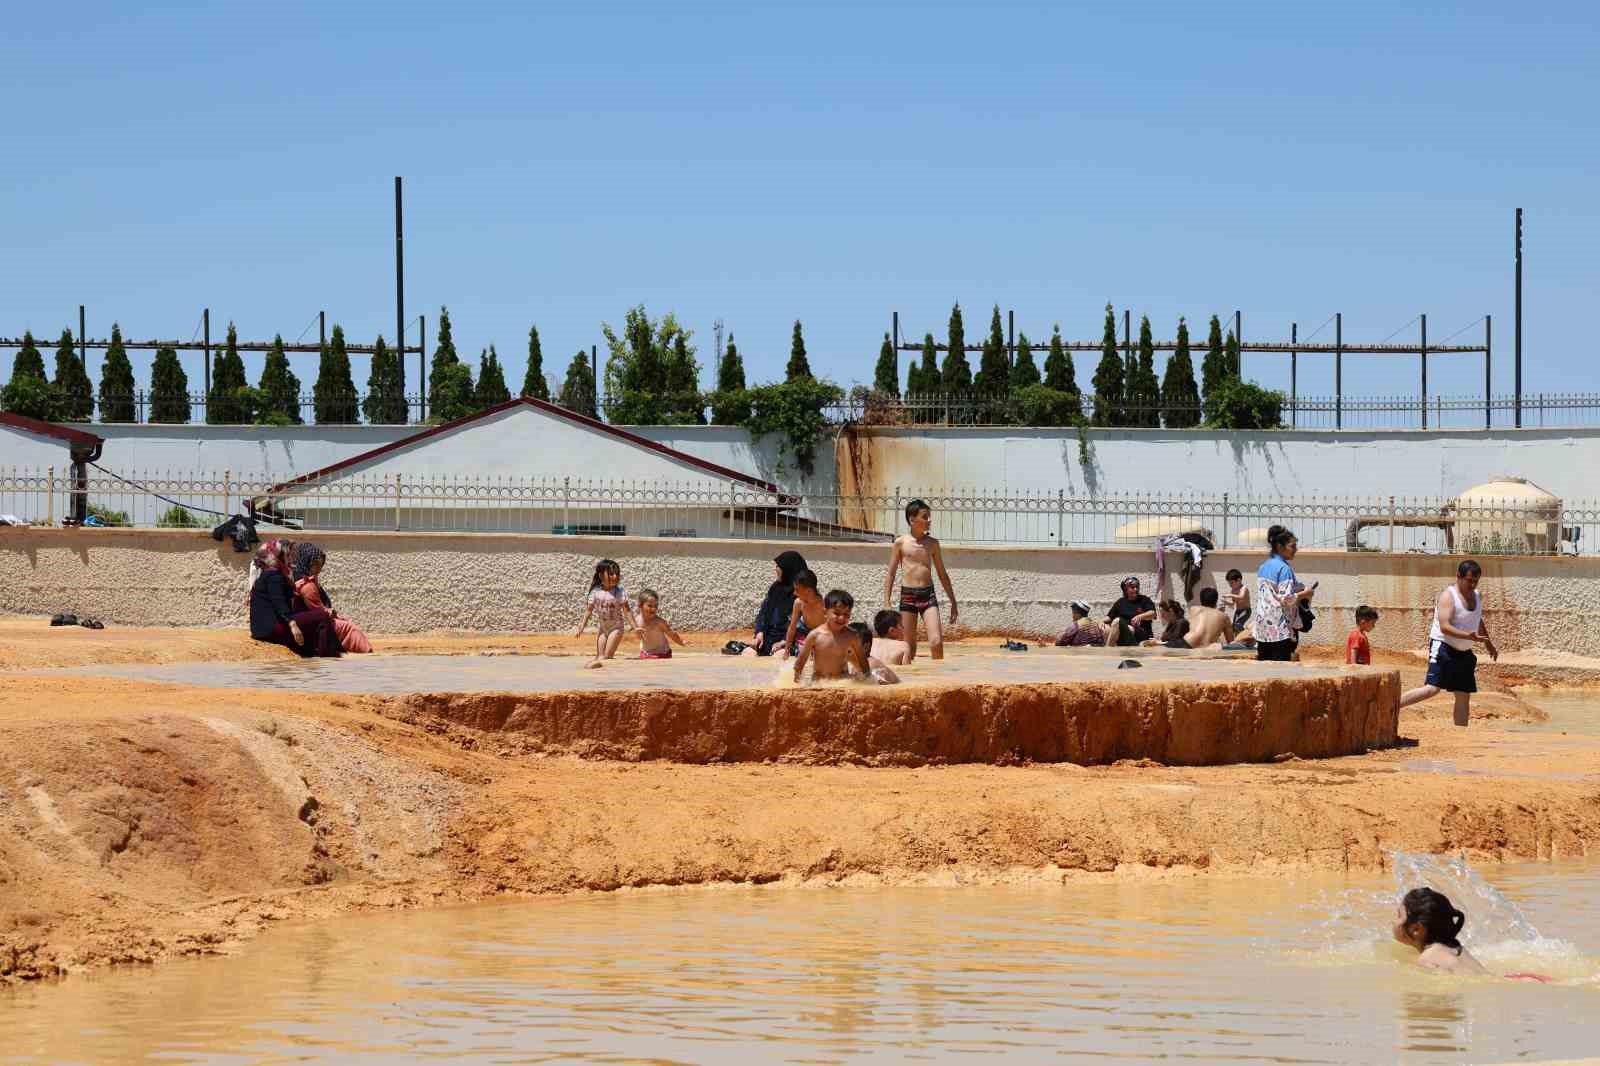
{"x": 917, "y": 600}
{"x": 1451, "y": 668}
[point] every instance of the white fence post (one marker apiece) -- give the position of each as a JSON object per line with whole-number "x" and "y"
{"x": 50, "y": 489}
{"x": 1391, "y": 525}
{"x": 397, "y": 503}
{"x": 1061, "y": 518}
{"x": 566, "y": 505}
{"x": 227, "y": 494}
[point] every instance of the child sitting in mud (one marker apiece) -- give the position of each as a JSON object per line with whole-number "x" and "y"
{"x": 878, "y": 672}
{"x": 807, "y": 614}
{"x": 889, "y": 645}
{"x": 1427, "y": 921}
{"x": 831, "y": 647}
{"x": 654, "y": 631}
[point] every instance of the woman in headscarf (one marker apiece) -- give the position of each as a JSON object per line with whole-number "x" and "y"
{"x": 309, "y": 560}
{"x": 273, "y": 618}
{"x": 772, "y": 620}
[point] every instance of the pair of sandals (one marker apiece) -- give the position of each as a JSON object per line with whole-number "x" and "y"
{"x": 1014, "y": 645}
{"x": 74, "y": 620}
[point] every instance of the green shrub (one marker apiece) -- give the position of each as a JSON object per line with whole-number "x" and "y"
{"x": 1244, "y": 405}
{"x": 108, "y": 516}
{"x": 176, "y": 517}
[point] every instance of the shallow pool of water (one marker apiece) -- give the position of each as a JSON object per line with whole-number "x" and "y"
{"x": 1576, "y": 713}
{"x": 1204, "y": 968}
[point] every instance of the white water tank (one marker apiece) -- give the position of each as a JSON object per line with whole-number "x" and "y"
{"x": 1509, "y": 515}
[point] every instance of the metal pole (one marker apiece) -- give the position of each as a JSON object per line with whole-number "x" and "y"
{"x": 422, "y": 344}
{"x": 1294, "y": 367}
{"x": 1011, "y": 337}
{"x": 205, "y": 317}
{"x": 594, "y": 375}
{"x": 1338, "y": 370}
{"x": 897, "y": 349}
{"x": 1238, "y": 335}
{"x": 400, "y": 281}
{"x": 1424, "y": 354}
{"x": 83, "y": 349}
{"x": 1516, "y": 344}
{"x": 1488, "y": 345}
{"x": 322, "y": 330}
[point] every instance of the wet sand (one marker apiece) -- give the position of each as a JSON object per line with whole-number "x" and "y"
{"x": 143, "y": 821}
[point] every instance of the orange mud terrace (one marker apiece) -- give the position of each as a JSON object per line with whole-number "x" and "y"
{"x": 141, "y": 819}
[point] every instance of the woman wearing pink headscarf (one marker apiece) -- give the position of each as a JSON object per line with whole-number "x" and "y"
{"x": 273, "y": 618}
{"x": 308, "y": 563}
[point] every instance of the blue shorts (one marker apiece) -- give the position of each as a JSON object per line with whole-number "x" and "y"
{"x": 1451, "y": 669}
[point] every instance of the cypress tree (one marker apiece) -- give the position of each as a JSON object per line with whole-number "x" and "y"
{"x": 799, "y": 366}
{"x": 1109, "y": 383}
{"x": 1180, "y": 399}
{"x": 1145, "y": 395}
{"x": 533, "y": 382}
{"x": 1230, "y": 357}
{"x": 994, "y": 367}
{"x": 1025, "y": 372}
{"x": 72, "y": 384}
{"x": 228, "y": 403}
{"x": 681, "y": 376}
{"x": 29, "y": 392}
{"x": 279, "y": 388}
{"x": 729, "y": 404}
{"x": 444, "y": 356}
{"x": 1059, "y": 373}
{"x": 886, "y": 375}
{"x": 577, "y": 393}
{"x": 385, "y": 402}
{"x": 169, "y": 389}
{"x": 334, "y": 394}
{"x": 116, "y": 382}
{"x": 1214, "y": 368}
{"x": 957, "y": 375}
{"x": 492, "y": 388}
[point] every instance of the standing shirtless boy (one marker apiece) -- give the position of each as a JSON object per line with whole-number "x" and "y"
{"x": 921, "y": 556}
{"x": 831, "y": 646}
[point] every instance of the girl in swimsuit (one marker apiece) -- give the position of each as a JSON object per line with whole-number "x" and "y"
{"x": 1427, "y": 921}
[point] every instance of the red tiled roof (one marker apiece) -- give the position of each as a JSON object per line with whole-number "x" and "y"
{"x": 49, "y": 429}
{"x": 720, "y": 472}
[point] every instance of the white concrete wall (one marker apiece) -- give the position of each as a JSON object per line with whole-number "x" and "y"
{"x": 1279, "y": 463}
{"x": 419, "y": 581}
{"x": 19, "y": 448}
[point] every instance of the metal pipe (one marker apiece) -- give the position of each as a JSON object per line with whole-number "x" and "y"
{"x": 83, "y": 349}
{"x": 205, "y": 317}
{"x": 400, "y": 363}
{"x": 1294, "y": 366}
{"x": 1424, "y": 353}
{"x": 322, "y": 330}
{"x": 1338, "y": 370}
{"x": 1516, "y": 344}
{"x": 399, "y": 277}
{"x": 1011, "y": 337}
{"x": 1488, "y": 404}
{"x": 897, "y": 349}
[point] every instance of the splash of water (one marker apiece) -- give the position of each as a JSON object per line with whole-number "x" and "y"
{"x": 1491, "y": 917}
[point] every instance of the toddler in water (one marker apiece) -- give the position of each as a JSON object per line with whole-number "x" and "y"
{"x": 1427, "y": 921}
{"x": 609, "y": 606}
{"x": 654, "y": 631}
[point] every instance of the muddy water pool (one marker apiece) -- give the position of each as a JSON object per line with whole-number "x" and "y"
{"x": 1210, "y": 968}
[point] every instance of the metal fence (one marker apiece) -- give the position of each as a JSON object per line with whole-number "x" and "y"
{"x": 400, "y": 502}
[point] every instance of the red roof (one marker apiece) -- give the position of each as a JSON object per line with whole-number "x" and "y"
{"x": 722, "y": 473}
{"x": 50, "y": 429}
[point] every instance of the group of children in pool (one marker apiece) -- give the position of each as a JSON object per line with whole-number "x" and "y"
{"x": 819, "y": 629}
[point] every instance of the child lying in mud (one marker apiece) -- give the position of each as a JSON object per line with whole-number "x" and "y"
{"x": 1426, "y": 920}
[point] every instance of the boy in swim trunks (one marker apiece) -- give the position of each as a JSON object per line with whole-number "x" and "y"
{"x": 831, "y": 647}
{"x": 654, "y": 631}
{"x": 807, "y": 615}
{"x": 920, "y": 555}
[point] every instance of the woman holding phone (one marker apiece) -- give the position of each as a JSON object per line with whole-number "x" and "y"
{"x": 1276, "y": 619}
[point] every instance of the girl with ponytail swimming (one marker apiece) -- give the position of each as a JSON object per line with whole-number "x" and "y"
{"x": 1427, "y": 921}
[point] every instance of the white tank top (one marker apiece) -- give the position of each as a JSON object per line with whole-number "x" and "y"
{"x": 1464, "y": 619}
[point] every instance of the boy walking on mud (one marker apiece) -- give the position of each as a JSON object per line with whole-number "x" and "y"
{"x": 919, "y": 554}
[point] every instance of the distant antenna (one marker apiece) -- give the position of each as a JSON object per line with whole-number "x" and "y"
{"x": 717, "y": 329}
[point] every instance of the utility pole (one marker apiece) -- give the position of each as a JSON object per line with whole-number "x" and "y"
{"x": 400, "y": 362}
{"x": 1238, "y": 335}
{"x": 896, "y": 343}
{"x": 1294, "y": 366}
{"x": 205, "y": 318}
{"x": 83, "y": 349}
{"x": 1423, "y": 351}
{"x": 594, "y": 357}
{"x": 1338, "y": 370}
{"x": 1488, "y": 381}
{"x": 1011, "y": 337}
{"x": 322, "y": 330}
{"x": 1516, "y": 344}
{"x": 400, "y": 295}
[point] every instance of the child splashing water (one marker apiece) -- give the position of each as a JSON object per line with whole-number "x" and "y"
{"x": 609, "y": 606}
{"x": 1426, "y": 920}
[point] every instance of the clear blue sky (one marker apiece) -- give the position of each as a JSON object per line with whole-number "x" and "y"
{"x": 828, "y": 162}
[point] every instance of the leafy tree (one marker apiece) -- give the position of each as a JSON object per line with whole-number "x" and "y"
{"x": 229, "y": 401}
{"x": 956, "y": 375}
{"x": 444, "y": 357}
{"x": 1180, "y": 398}
{"x": 1024, "y": 372}
{"x": 1040, "y": 405}
{"x": 799, "y": 366}
{"x": 334, "y": 395}
{"x": 533, "y": 383}
{"x": 1144, "y": 389}
{"x": 1059, "y": 373}
{"x": 729, "y": 404}
{"x": 116, "y": 382}
{"x": 492, "y": 388}
{"x": 1109, "y": 384}
{"x": 577, "y": 393}
{"x": 279, "y": 388}
{"x": 1214, "y": 367}
{"x": 176, "y": 516}
{"x": 29, "y": 392}
{"x": 385, "y": 402}
{"x": 684, "y": 405}
{"x": 72, "y": 382}
{"x": 994, "y": 367}
{"x": 454, "y": 396}
{"x": 169, "y": 389}
{"x": 651, "y": 378}
{"x": 886, "y": 375}
{"x": 1245, "y": 405}
{"x": 793, "y": 409}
